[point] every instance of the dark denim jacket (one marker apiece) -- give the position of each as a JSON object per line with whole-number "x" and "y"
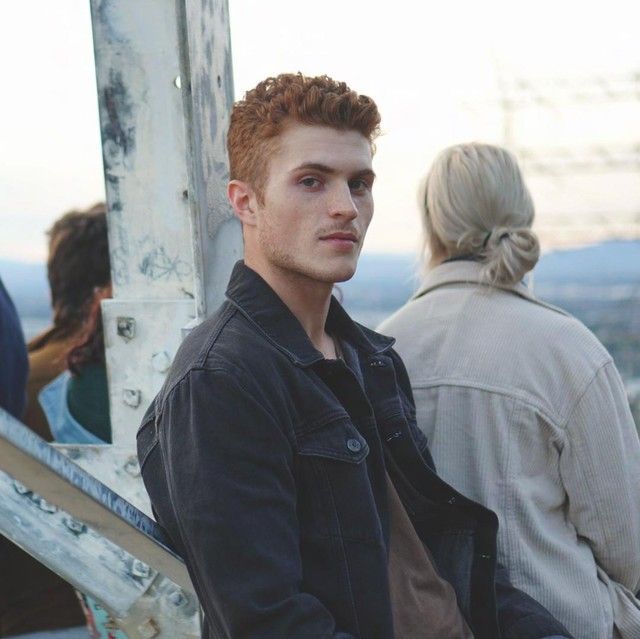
{"x": 265, "y": 464}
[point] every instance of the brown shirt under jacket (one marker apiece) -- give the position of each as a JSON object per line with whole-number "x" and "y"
{"x": 423, "y": 604}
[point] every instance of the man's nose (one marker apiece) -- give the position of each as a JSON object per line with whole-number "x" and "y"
{"x": 342, "y": 204}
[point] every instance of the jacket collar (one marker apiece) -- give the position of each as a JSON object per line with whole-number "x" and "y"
{"x": 463, "y": 272}
{"x": 468, "y": 272}
{"x": 259, "y": 303}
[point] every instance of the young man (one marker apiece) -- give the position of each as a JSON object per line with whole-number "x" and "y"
{"x": 281, "y": 455}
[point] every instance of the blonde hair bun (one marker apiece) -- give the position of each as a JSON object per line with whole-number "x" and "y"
{"x": 477, "y": 205}
{"x": 509, "y": 254}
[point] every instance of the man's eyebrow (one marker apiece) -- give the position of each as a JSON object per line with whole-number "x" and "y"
{"x": 323, "y": 168}
{"x": 365, "y": 173}
{"x": 314, "y": 166}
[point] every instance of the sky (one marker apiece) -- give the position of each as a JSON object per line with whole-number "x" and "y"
{"x": 436, "y": 70}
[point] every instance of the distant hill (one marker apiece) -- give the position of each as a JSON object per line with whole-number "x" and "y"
{"x": 614, "y": 262}
{"x": 389, "y": 280}
{"x": 599, "y": 284}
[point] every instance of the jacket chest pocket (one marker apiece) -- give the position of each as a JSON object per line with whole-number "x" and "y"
{"x": 336, "y": 497}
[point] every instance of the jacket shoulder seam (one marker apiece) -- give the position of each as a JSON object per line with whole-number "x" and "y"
{"x": 583, "y": 392}
{"x": 200, "y": 362}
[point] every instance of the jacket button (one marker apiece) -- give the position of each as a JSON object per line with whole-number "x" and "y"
{"x": 354, "y": 445}
{"x": 451, "y": 500}
{"x": 376, "y": 363}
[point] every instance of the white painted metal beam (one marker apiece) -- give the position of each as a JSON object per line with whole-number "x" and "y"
{"x": 92, "y": 537}
{"x": 165, "y": 90}
{"x": 29, "y": 460}
{"x": 144, "y": 148}
{"x": 207, "y": 87}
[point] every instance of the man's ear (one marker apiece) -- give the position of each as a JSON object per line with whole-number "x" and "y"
{"x": 243, "y": 201}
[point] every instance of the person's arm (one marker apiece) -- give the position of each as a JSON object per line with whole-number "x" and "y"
{"x": 231, "y": 484}
{"x": 600, "y": 469}
{"x": 522, "y": 617}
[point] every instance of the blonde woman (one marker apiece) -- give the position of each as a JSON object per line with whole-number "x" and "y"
{"x": 523, "y": 407}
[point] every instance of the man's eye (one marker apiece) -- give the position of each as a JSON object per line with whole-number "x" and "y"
{"x": 310, "y": 182}
{"x": 359, "y": 185}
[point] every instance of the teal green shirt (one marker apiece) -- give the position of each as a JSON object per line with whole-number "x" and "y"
{"x": 88, "y": 400}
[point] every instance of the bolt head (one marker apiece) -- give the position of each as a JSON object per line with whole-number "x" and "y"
{"x": 21, "y": 489}
{"x": 139, "y": 569}
{"x": 132, "y": 397}
{"x": 126, "y": 327}
{"x": 176, "y": 597}
{"x": 46, "y": 506}
{"x": 149, "y": 629}
{"x": 132, "y": 467}
{"x": 75, "y": 526}
{"x": 161, "y": 362}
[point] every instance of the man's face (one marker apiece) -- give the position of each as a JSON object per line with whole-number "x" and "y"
{"x": 317, "y": 204}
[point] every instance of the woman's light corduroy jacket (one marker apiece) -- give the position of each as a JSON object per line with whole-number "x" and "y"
{"x": 525, "y": 412}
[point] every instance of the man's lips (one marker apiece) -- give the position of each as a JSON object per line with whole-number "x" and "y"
{"x": 346, "y": 237}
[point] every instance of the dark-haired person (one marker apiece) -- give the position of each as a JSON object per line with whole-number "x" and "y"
{"x": 36, "y": 599}
{"x": 77, "y": 266}
{"x": 523, "y": 408}
{"x": 76, "y": 402}
{"x": 281, "y": 455}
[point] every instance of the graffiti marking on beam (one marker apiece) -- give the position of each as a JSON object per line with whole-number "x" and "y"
{"x": 158, "y": 264}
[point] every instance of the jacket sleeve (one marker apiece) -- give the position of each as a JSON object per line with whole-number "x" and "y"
{"x": 233, "y": 493}
{"x": 522, "y": 617}
{"x": 600, "y": 469}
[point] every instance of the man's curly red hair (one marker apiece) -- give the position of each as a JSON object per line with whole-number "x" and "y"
{"x": 258, "y": 119}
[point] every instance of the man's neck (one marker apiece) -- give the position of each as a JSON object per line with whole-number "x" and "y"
{"x": 306, "y": 298}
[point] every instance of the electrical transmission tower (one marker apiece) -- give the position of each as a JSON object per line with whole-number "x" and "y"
{"x": 590, "y": 160}
{"x": 557, "y": 94}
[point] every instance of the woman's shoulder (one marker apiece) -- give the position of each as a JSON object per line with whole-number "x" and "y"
{"x": 563, "y": 332}
{"x": 496, "y": 337}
